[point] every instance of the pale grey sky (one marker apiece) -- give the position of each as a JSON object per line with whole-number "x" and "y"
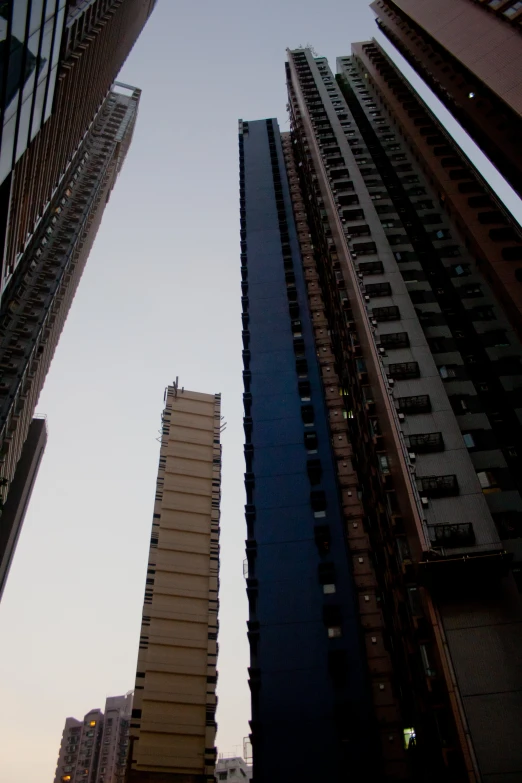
{"x": 160, "y": 297}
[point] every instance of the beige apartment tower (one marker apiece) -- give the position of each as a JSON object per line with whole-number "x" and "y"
{"x": 173, "y": 724}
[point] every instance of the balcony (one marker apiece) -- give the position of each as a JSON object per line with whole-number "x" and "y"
{"x": 391, "y": 313}
{"x": 394, "y": 340}
{"x": 377, "y": 289}
{"x": 447, "y": 536}
{"x": 427, "y": 442}
{"x": 417, "y": 404}
{"x": 403, "y": 371}
{"x": 439, "y": 486}
{"x": 371, "y": 268}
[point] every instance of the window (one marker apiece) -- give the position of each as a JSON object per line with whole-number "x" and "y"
{"x": 470, "y": 291}
{"x": 377, "y": 289}
{"x": 326, "y": 573}
{"x": 459, "y": 270}
{"x": 311, "y": 442}
{"x": 307, "y": 415}
{"x": 413, "y": 275}
{"x": 495, "y": 339}
{"x": 449, "y": 251}
{"x": 314, "y": 470}
{"x": 441, "y": 233}
{"x": 371, "y": 268}
{"x": 434, "y": 217}
{"x": 318, "y": 503}
{"x": 439, "y": 486}
{"x": 418, "y": 404}
{"x": 305, "y": 390}
{"x": 301, "y": 366}
{"x": 391, "y": 313}
{"x": 222, "y": 776}
{"x": 394, "y": 340}
{"x": 509, "y": 523}
{"x": 364, "y": 248}
{"x": 468, "y": 440}
{"x": 461, "y": 534}
{"x": 488, "y": 481}
{"x": 332, "y": 620}
{"x": 322, "y": 538}
{"x": 404, "y": 370}
{"x": 426, "y": 442}
{"x": 448, "y": 371}
{"x": 482, "y": 313}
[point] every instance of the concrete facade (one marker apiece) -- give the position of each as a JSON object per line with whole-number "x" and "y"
{"x": 173, "y": 720}
{"x": 234, "y": 769}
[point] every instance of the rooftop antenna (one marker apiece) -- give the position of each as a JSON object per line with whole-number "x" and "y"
{"x": 175, "y": 385}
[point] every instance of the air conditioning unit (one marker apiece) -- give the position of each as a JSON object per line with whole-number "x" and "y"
{"x": 354, "y": 255}
{"x": 402, "y": 417}
{"x": 412, "y": 456}
{"x": 366, "y": 298}
{"x": 382, "y": 351}
{"x": 425, "y": 502}
{"x": 392, "y": 383}
{"x": 374, "y": 322}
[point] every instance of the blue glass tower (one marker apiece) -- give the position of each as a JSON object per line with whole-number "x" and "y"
{"x": 311, "y": 708}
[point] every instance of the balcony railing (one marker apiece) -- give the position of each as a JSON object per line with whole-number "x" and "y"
{"x": 458, "y": 535}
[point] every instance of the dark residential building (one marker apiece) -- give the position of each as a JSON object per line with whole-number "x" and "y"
{"x": 307, "y": 674}
{"x": 43, "y": 287}
{"x": 66, "y": 127}
{"x": 469, "y": 53}
{"x": 13, "y": 512}
{"x": 383, "y": 417}
{"x": 58, "y": 62}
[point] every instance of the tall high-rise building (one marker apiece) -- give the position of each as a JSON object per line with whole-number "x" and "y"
{"x": 65, "y": 130}
{"x": 41, "y": 293}
{"x": 95, "y": 750}
{"x": 469, "y": 52}
{"x": 173, "y": 724}
{"x": 382, "y": 421}
{"x": 60, "y": 59}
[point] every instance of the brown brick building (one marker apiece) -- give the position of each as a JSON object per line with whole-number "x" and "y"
{"x": 469, "y": 52}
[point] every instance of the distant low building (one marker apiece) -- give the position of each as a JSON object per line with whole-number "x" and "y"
{"x": 233, "y": 769}
{"x": 96, "y": 748}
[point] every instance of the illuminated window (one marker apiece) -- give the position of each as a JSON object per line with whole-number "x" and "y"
{"x": 409, "y": 738}
{"x": 92, "y": 723}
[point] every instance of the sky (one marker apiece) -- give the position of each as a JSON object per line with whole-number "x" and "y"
{"x": 160, "y": 298}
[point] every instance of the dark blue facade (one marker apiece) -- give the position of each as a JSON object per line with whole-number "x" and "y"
{"x": 310, "y": 704}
